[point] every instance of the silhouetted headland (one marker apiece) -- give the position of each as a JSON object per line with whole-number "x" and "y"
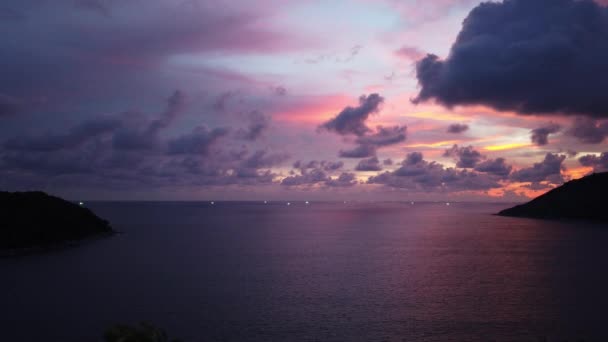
{"x": 35, "y": 220}
{"x": 577, "y": 199}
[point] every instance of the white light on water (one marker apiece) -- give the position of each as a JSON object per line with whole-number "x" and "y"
{"x": 265, "y": 202}
{"x": 80, "y": 203}
{"x": 412, "y": 202}
{"x": 448, "y": 203}
{"x": 212, "y": 203}
{"x": 307, "y": 202}
{"x": 288, "y": 203}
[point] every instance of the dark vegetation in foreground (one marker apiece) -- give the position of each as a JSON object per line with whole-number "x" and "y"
{"x": 577, "y": 199}
{"x": 143, "y": 332}
{"x": 35, "y": 220}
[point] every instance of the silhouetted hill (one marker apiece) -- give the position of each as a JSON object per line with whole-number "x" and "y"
{"x": 35, "y": 219}
{"x": 578, "y": 199}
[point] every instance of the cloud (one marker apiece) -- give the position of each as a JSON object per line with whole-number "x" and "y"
{"x": 496, "y": 167}
{"x": 368, "y": 143}
{"x": 144, "y": 135}
{"x": 345, "y": 179}
{"x": 371, "y": 164}
{"x": 279, "y": 91}
{"x": 96, "y": 6}
{"x": 417, "y": 174}
{"x": 351, "y": 120}
{"x": 199, "y": 141}
{"x": 91, "y": 155}
{"x": 506, "y": 58}
{"x": 258, "y": 125}
{"x": 410, "y": 53}
{"x": 540, "y": 135}
{"x": 599, "y": 164}
{"x": 9, "y": 105}
{"x": 588, "y": 131}
{"x": 457, "y": 128}
{"x": 77, "y": 135}
{"x": 315, "y": 164}
{"x": 547, "y": 170}
{"x": 11, "y": 15}
{"x": 260, "y": 159}
{"x": 318, "y": 173}
{"x": 466, "y": 157}
{"x": 306, "y": 178}
{"x": 361, "y": 151}
{"x": 384, "y": 136}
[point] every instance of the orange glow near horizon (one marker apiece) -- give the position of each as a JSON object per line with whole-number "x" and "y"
{"x": 577, "y": 172}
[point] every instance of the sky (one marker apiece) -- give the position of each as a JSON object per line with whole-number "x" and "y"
{"x": 354, "y": 100}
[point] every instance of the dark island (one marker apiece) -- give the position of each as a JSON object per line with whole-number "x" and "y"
{"x": 35, "y": 220}
{"x": 577, "y": 199}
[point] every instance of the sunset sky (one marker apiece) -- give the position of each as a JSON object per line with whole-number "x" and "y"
{"x": 316, "y": 100}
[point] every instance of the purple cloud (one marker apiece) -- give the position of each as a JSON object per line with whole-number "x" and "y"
{"x": 457, "y": 128}
{"x": 496, "y": 167}
{"x": 599, "y": 164}
{"x": 370, "y": 164}
{"x": 417, "y": 174}
{"x": 588, "y": 131}
{"x": 547, "y": 170}
{"x": 540, "y": 135}
{"x": 504, "y": 57}
{"x": 351, "y": 120}
{"x": 466, "y": 157}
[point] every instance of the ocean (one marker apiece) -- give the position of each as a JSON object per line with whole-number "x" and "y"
{"x": 322, "y": 271}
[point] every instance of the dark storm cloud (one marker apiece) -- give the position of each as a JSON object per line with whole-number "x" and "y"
{"x": 370, "y": 164}
{"x": 549, "y": 169}
{"x": 496, "y": 167}
{"x": 457, "y": 128}
{"x": 528, "y": 56}
{"x": 351, "y": 120}
{"x": 540, "y": 135}
{"x": 387, "y": 162}
{"x": 466, "y": 157}
{"x": 599, "y": 164}
{"x": 588, "y": 131}
{"x": 415, "y": 173}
